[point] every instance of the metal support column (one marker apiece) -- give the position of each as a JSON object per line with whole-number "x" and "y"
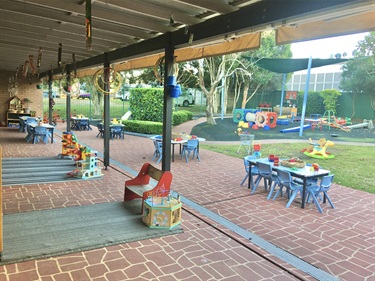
{"x": 107, "y": 132}
{"x": 50, "y": 98}
{"x": 167, "y": 109}
{"x": 68, "y": 100}
{"x": 305, "y": 97}
{"x": 282, "y": 95}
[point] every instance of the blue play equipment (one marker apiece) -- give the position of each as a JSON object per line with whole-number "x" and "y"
{"x": 295, "y": 129}
{"x": 240, "y": 114}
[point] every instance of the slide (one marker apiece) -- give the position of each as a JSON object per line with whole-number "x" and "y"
{"x": 295, "y": 129}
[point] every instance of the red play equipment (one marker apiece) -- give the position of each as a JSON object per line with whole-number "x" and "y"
{"x": 266, "y": 118}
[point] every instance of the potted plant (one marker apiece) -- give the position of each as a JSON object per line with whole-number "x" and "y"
{"x": 26, "y": 103}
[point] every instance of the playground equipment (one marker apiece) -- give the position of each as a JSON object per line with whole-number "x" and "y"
{"x": 330, "y": 120}
{"x": 295, "y": 129}
{"x": 245, "y": 115}
{"x": 318, "y": 150}
{"x": 88, "y": 167}
{"x": 366, "y": 124}
{"x": 266, "y": 118}
{"x": 70, "y": 147}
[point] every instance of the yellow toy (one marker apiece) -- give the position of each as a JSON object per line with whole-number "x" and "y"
{"x": 318, "y": 150}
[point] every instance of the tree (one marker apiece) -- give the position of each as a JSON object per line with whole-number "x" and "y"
{"x": 252, "y": 78}
{"x": 358, "y": 76}
{"x": 241, "y": 74}
{"x": 217, "y": 68}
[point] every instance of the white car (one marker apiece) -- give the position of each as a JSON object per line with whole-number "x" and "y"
{"x": 185, "y": 99}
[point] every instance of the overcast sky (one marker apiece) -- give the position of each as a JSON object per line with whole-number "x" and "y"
{"x": 327, "y": 48}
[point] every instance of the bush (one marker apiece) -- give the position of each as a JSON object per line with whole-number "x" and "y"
{"x": 181, "y": 116}
{"x": 143, "y": 127}
{"x": 147, "y": 104}
{"x": 314, "y": 103}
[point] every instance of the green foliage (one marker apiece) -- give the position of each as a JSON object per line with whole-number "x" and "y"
{"x": 143, "y": 127}
{"x": 330, "y": 99}
{"x": 314, "y": 103}
{"x": 147, "y": 104}
{"x": 359, "y": 74}
{"x": 181, "y": 116}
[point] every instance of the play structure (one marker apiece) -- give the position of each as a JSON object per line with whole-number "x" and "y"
{"x": 319, "y": 149}
{"x": 70, "y": 147}
{"x": 88, "y": 167}
{"x": 295, "y": 129}
{"x": 366, "y": 124}
{"x": 254, "y": 118}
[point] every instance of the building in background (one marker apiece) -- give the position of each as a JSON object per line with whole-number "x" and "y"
{"x": 318, "y": 81}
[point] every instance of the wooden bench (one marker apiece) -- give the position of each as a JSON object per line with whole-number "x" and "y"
{"x": 140, "y": 186}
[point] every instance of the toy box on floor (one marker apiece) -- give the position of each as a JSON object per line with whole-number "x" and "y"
{"x": 161, "y": 212}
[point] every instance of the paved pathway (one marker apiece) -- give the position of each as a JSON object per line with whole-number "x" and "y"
{"x": 340, "y": 241}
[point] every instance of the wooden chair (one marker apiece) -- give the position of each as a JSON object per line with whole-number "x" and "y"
{"x": 140, "y": 186}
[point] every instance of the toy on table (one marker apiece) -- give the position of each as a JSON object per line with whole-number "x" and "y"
{"x": 256, "y": 149}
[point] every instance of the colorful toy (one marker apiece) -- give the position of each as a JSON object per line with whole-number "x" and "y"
{"x": 70, "y": 147}
{"x": 256, "y": 149}
{"x": 162, "y": 212}
{"x": 318, "y": 150}
{"x": 266, "y": 118}
{"x": 88, "y": 167}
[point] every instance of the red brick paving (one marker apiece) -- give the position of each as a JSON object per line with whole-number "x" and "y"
{"x": 340, "y": 241}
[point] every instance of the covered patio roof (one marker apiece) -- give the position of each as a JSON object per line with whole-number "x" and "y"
{"x": 125, "y": 30}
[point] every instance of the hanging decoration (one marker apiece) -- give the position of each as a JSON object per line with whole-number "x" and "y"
{"x": 88, "y": 25}
{"x": 39, "y": 59}
{"x": 74, "y": 65}
{"x": 69, "y": 85}
{"x": 113, "y": 83}
{"x": 31, "y": 61}
{"x": 59, "y": 55}
{"x": 13, "y": 84}
{"x": 159, "y": 70}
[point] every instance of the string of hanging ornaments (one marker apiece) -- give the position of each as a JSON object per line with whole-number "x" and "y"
{"x": 107, "y": 86}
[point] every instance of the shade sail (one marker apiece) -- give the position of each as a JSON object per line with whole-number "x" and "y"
{"x": 285, "y": 65}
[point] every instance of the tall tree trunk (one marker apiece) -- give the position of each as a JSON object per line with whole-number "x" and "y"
{"x": 244, "y": 95}
{"x": 210, "y": 109}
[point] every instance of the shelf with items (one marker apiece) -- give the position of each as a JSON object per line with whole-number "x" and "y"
{"x": 14, "y": 118}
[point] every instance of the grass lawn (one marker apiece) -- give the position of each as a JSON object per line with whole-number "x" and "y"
{"x": 353, "y": 165}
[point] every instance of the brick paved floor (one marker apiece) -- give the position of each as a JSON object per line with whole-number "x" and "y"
{"x": 340, "y": 241}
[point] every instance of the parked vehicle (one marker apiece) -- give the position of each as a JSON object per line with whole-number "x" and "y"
{"x": 84, "y": 96}
{"x": 54, "y": 95}
{"x": 185, "y": 99}
{"x": 124, "y": 96}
